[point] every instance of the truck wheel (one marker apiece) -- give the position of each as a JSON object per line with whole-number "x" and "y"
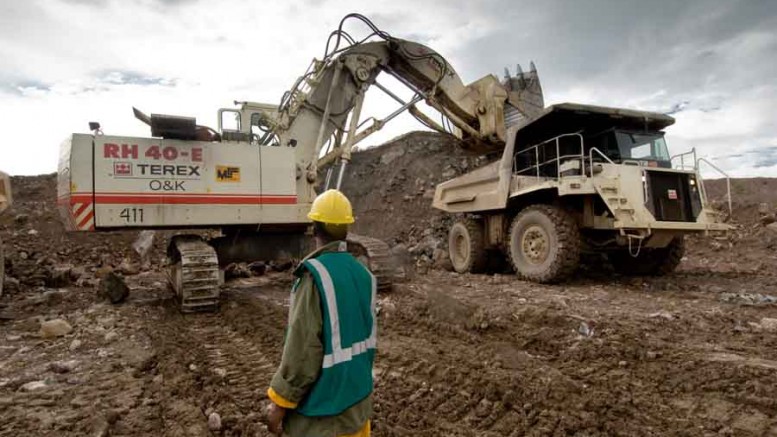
{"x": 467, "y": 246}
{"x": 650, "y": 262}
{"x": 544, "y": 244}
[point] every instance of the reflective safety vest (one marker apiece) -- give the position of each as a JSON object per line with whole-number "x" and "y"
{"x": 348, "y": 293}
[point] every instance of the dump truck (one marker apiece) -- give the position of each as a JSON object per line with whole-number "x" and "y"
{"x": 576, "y": 179}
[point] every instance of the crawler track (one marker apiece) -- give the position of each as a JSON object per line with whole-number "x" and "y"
{"x": 194, "y": 274}
{"x": 378, "y": 257}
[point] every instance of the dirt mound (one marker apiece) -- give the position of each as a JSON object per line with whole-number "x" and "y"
{"x": 40, "y": 253}
{"x": 392, "y": 187}
{"x": 747, "y": 195}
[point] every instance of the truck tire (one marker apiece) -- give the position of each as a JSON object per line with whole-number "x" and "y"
{"x": 467, "y": 246}
{"x": 650, "y": 262}
{"x": 544, "y": 244}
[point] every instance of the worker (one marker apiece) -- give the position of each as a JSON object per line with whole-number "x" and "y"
{"x": 323, "y": 386}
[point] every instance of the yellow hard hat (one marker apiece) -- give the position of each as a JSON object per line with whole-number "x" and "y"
{"x": 333, "y": 207}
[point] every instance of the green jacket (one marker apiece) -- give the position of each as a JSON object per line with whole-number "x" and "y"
{"x": 301, "y": 365}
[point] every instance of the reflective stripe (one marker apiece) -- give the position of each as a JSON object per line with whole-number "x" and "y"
{"x": 331, "y": 302}
{"x": 340, "y": 354}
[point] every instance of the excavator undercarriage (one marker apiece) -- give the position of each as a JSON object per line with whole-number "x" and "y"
{"x": 194, "y": 263}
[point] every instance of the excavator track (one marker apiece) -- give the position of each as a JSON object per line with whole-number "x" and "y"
{"x": 194, "y": 274}
{"x": 376, "y": 254}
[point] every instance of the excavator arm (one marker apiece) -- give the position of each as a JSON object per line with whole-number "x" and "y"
{"x": 320, "y": 115}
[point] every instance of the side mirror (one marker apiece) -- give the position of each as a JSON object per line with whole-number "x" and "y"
{"x": 93, "y": 125}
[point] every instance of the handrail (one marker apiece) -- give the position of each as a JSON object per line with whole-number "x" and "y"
{"x": 728, "y": 181}
{"x": 536, "y": 166}
{"x": 591, "y": 159}
{"x": 682, "y": 158}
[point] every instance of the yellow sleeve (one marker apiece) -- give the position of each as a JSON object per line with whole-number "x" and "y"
{"x": 280, "y": 400}
{"x": 364, "y": 432}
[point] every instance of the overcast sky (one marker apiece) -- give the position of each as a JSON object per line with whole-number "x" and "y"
{"x": 63, "y": 63}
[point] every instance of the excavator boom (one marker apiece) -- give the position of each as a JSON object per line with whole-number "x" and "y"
{"x": 315, "y": 111}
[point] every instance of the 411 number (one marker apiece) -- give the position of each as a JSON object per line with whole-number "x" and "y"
{"x": 132, "y": 215}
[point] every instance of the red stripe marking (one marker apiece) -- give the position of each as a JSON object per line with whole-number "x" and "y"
{"x": 183, "y": 198}
{"x": 162, "y": 198}
{"x": 194, "y": 200}
{"x": 81, "y": 209}
{"x": 86, "y": 220}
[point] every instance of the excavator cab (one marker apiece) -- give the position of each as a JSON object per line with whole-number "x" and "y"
{"x": 251, "y": 122}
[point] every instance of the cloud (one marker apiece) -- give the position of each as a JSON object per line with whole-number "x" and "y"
{"x": 710, "y": 63}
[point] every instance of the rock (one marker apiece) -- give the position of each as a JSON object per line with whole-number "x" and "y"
{"x": 236, "y": 270}
{"x": 145, "y": 361}
{"x": 281, "y": 265}
{"x": 59, "y": 277}
{"x": 32, "y": 232}
{"x": 112, "y": 416}
{"x": 221, "y": 373}
{"x": 768, "y": 219}
{"x": 585, "y": 329}
{"x": 113, "y": 288}
{"x": 75, "y": 344}
{"x": 54, "y": 328}
{"x": 33, "y": 386}
{"x": 77, "y": 273}
{"x": 661, "y": 315}
{"x": 144, "y": 242}
{"x": 107, "y": 322}
{"x": 10, "y": 285}
{"x": 214, "y": 422}
{"x": 772, "y": 227}
{"x": 111, "y": 336}
{"x": 768, "y": 324}
{"x": 62, "y": 366}
{"x": 21, "y": 219}
{"x": 763, "y": 208}
{"x": 127, "y": 268}
{"x": 441, "y": 259}
{"x": 13, "y": 337}
{"x": 748, "y": 298}
{"x": 390, "y": 155}
{"x": 103, "y": 271}
{"x": 101, "y": 428}
{"x": 257, "y": 268}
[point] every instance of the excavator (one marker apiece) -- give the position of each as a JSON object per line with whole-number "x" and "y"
{"x": 255, "y": 176}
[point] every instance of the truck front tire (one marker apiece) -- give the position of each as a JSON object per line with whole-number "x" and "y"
{"x": 544, "y": 244}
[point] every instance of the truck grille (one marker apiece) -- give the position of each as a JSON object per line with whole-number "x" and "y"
{"x": 672, "y": 197}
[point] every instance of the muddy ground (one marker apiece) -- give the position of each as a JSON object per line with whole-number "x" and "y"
{"x": 694, "y": 353}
